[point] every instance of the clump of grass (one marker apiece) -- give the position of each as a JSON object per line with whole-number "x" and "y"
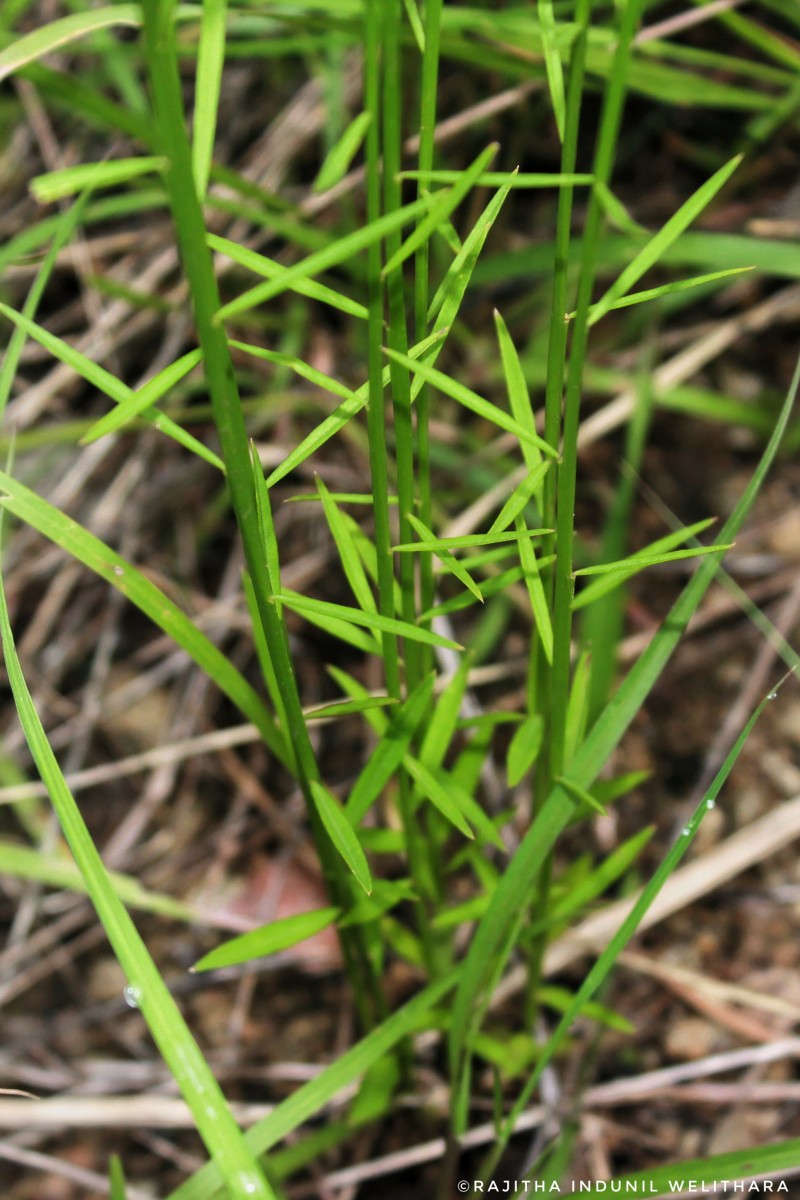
{"x": 408, "y": 260}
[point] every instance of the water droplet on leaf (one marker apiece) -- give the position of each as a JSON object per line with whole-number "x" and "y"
{"x": 132, "y": 995}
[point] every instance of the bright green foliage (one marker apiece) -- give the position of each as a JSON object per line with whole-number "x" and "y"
{"x": 459, "y": 539}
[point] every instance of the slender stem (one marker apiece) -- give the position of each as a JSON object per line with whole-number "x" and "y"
{"x": 427, "y": 124}
{"x": 229, "y": 422}
{"x": 397, "y": 332}
{"x": 376, "y": 415}
{"x": 567, "y": 472}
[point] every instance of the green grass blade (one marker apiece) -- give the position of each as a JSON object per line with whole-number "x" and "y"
{"x": 518, "y": 395}
{"x": 668, "y": 289}
{"x": 448, "y": 560}
{"x": 681, "y": 1178}
{"x": 62, "y": 234}
{"x": 605, "y": 962}
{"x": 268, "y": 939}
{"x": 440, "y": 729}
{"x": 650, "y": 254}
{"x": 533, "y": 581}
{"x": 447, "y": 299}
{"x": 342, "y": 835}
{"x": 210, "y": 60}
{"x": 469, "y": 540}
{"x": 439, "y": 795}
{"x": 60, "y": 33}
{"x": 145, "y": 397}
{"x": 314, "y": 1095}
{"x": 524, "y": 748}
{"x": 348, "y": 553}
{"x": 355, "y": 616}
{"x": 440, "y": 210}
{"x": 552, "y": 62}
{"x": 331, "y": 425}
{"x": 121, "y": 574}
{"x": 259, "y": 264}
{"x": 57, "y": 185}
{"x": 650, "y": 560}
{"x": 107, "y": 383}
{"x": 471, "y": 400}
{"x": 342, "y": 154}
{"x": 523, "y": 493}
{"x": 340, "y": 251}
{"x": 52, "y": 869}
{"x": 390, "y": 751}
{"x": 215, "y": 1123}
{"x": 116, "y": 1179}
{"x": 513, "y": 890}
{"x": 605, "y": 584}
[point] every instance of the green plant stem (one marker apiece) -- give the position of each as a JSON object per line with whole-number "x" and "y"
{"x": 419, "y": 854}
{"x": 543, "y": 678}
{"x": 427, "y": 124}
{"x": 376, "y": 416}
{"x": 229, "y": 422}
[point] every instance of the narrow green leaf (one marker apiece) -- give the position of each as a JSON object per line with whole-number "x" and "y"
{"x": 448, "y": 560}
{"x": 386, "y": 895}
{"x": 607, "y": 583}
{"x": 678, "y": 285}
{"x": 355, "y": 616}
{"x": 266, "y": 525}
{"x": 440, "y": 729}
{"x": 65, "y": 227}
{"x": 107, "y": 383}
{"x": 57, "y": 185}
{"x": 259, "y": 264}
{"x": 338, "y": 419}
{"x": 348, "y": 553}
{"x": 144, "y": 397}
{"x": 518, "y": 395}
{"x": 53, "y": 869}
{"x": 268, "y": 939}
{"x": 342, "y": 154}
{"x": 651, "y": 560}
{"x": 533, "y": 582}
{"x": 210, "y": 61}
{"x": 650, "y": 254}
{"x": 511, "y": 179}
{"x": 60, "y": 33}
{"x": 146, "y": 988}
{"x": 552, "y": 62}
{"x": 524, "y": 748}
{"x": 581, "y": 795}
{"x": 121, "y": 574}
{"x": 319, "y": 1091}
{"x": 390, "y": 751}
{"x": 342, "y": 834}
{"x": 346, "y": 708}
{"x": 469, "y": 399}
{"x": 609, "y": 871}
{"x": 517, "y": 502}
{"x": 617, "y": 213}
{"x": 468, "y": 540}
{"x": 491, "y": 946}
{"x": 441, "y": 209}
{"x": 442, "y": 788}
{"x": 415, "y": 21}
{"x": 319, "y": 613}
{"x": 578, "y": 706}
{"x": 116, "y": 1179}
{"x": 438, "y": 795}
{"x": 447, "y": 300}
{"x": 331, "y": 256}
